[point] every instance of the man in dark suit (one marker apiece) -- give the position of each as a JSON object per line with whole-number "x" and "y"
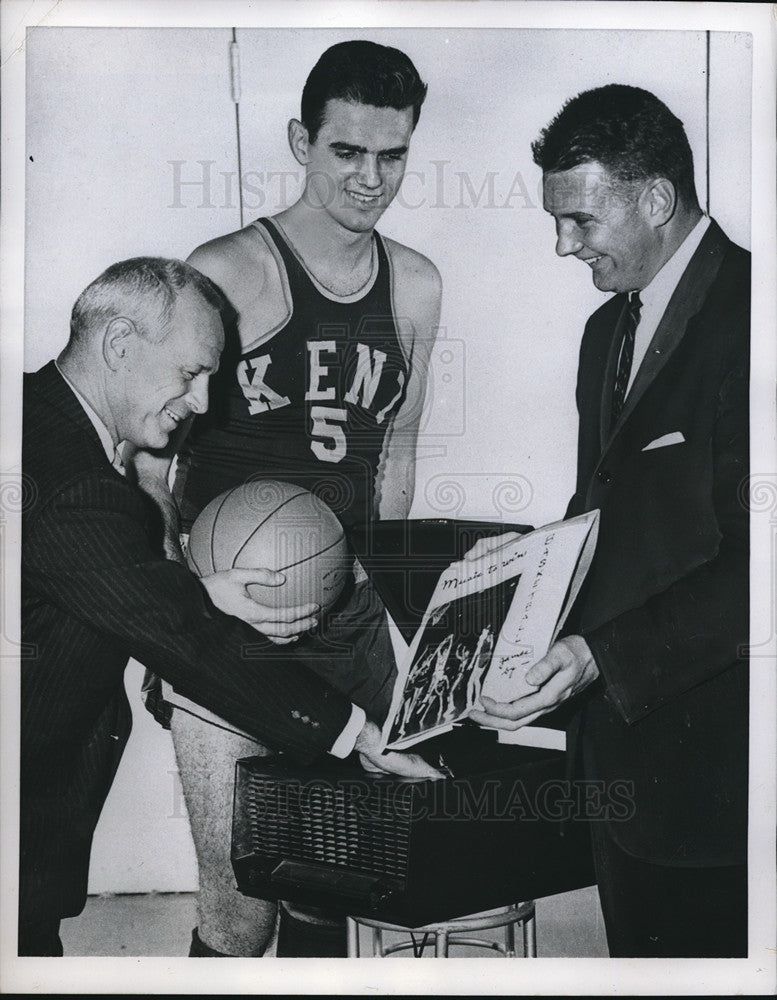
{"x": 662, "y": 625}
{"x": 96, "y": 589}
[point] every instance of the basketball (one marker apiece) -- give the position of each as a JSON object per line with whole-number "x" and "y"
{"x": 268, "y": 524}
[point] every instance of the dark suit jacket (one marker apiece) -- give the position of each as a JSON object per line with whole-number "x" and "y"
{"x": 665, "y": 607}
{"x": 96, "y": 591}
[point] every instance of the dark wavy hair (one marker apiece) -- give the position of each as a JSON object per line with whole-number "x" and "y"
{"x": 364, "y": 73}
{"x": 628, "y": 130}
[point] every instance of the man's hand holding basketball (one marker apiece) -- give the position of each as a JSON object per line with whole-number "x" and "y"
{"x": 228, "y": 590}
{"x": 566, "y": 669}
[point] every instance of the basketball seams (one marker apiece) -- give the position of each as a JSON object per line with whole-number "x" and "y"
{"x": 309, "y": 524}
{"x": 213, "y": 528}
{"x": 194, "y": 565}
{"x": 264, "y": 521}
{"x": 313, "y": 555}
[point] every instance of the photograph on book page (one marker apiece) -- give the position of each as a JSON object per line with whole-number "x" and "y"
{"x": 487, "y": 622}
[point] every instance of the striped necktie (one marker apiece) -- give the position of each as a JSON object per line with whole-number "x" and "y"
{"x": 627, "y": 355}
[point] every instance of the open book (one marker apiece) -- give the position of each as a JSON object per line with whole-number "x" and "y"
{"x": 488, "y": 621}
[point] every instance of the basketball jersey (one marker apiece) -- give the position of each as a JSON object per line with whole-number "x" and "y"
{"x": 310, "y": 404}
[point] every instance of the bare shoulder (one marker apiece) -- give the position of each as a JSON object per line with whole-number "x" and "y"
{"x": 229, "y": 260}
{"x": 414, "y": 273}
{"x": 246, "y": 270}
{"x": 417, "y": 293}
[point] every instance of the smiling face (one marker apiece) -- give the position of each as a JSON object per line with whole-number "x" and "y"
{"x": 166, "y": 382}
{"x": 604, "y": 224}
{"x": 356, "y": 165}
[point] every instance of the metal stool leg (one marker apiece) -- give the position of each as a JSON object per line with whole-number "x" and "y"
{"x": 529, "y": 937}
{"x": 441, "y": 944}
{"x": 452, "y": 932}
{"x": 352, "y": 930}
{"x": 510, "y": 941}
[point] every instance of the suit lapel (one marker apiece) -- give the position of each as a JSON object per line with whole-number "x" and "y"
{"x": 685, "y": 303}
{"x": 60, "y": 396}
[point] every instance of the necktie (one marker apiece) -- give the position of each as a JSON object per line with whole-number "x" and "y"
{"x": 627, "y": 354}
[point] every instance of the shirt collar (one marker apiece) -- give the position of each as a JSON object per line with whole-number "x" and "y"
{"x": 657, "y": 294}
{"x": 112, "y": 452}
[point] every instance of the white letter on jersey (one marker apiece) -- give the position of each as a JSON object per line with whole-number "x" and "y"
{"x": 381, "y": 414}
{"x": 323, "y": 427}
{"x": 250, "y": 375}
{"x": 319, "y": 371}
{"x": 367, "y": 378}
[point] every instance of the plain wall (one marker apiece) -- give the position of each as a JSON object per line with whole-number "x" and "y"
{"x": 131, "y": 149}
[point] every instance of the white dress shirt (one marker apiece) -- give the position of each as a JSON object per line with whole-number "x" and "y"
{"x": 655, "y": 296}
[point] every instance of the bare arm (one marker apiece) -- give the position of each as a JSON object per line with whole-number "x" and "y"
{"x": 152, "y": 469}
{"x": 417, "y": 299}
{"x": 232, "y": 263}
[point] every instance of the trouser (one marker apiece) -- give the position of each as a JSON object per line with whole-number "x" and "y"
{"x": 41, "y": 939}
{"x": 662, "y": 911}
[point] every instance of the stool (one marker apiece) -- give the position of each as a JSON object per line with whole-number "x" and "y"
{"x": 446, "y": 932}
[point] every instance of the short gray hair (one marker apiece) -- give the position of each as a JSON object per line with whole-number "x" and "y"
{"x": 145, "y": 285}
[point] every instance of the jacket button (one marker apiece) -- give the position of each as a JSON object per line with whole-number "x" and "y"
{"x": 604, "y": 477}
{"x": 295, "y": 714}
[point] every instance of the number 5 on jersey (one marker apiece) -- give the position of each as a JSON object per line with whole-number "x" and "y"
{"x": 329, "y": 444}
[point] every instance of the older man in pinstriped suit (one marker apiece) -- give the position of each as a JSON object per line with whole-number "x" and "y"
{"x": 145, "y": 337}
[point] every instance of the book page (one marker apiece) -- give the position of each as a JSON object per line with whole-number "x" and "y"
{"x": 488, "y": 621}
{"x": 556, "y": 561}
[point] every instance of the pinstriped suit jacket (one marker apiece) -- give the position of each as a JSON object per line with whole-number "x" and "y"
{"x": 95, "y": 592}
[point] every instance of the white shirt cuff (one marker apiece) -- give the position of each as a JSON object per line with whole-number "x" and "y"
{"x": 345, "y": 741}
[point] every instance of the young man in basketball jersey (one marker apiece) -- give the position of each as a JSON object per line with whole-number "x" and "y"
{"x": 322, "y": 386}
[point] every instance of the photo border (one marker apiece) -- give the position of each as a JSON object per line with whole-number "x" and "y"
{"x": 540, "y": 976}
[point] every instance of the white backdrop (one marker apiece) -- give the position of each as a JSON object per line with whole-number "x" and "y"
{"x": 131, "y": 149}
